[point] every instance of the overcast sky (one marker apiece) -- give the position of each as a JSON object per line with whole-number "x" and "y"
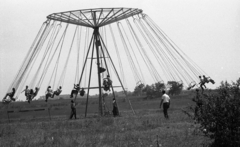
{"x": 207, "y": 31}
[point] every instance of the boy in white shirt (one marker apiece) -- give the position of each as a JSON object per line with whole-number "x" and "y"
{"x": 166, "y": 103}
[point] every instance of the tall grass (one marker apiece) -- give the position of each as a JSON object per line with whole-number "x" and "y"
{"x": 143, "y": 129}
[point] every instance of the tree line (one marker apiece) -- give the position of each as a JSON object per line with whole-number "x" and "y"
{"x": 154, "y": 90}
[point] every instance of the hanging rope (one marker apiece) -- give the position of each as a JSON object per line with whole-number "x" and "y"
{"x": 50, "y": 59}
{"x": 41, "y": 31}
{"x": 161, "y": 59}
{"x": 61, "y": 81}
{"x": 39, "y": 47}
{"x": 118, "y": 56}
{"x": 140, "y": 44}
{"x": 173, "y": 55}
{"x": 195, "y": 70}
{"x": 56, "y": 65}
{"x": 84, "y": 55}
{"x": 143, "y": 52}
{"x": 169, "y": 62}
{"x": 28, "y": 59}
{"x": 147, "y": 60}
{"x": 53, "y": 29}
{"x": 133, "y": 68}
{"x": 132, "y": 34}
{"x": 79, "y": 32}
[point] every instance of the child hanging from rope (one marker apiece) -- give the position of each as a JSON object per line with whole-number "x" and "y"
{"x": 10, "y": 95}
{"x": 205, "y": 79}
{"x": 32, "y": 94}
{"x": 35, "y": 92}
{"x": 57, "y": 92}
{"x": 107, "y": 83}
{"x": 27, "y": 92}
{"x": 208, "y": 79}
{"x": 191, "y": 85}
{"x": 49, "y": 93}
{"x": 82, "y": 92}
{"x": 75, "y": 90}
{"x": 29, "y": 97}
{"x": 202, "y": 83}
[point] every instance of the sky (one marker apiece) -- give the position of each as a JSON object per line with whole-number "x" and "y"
{"x": 208, "y": 31}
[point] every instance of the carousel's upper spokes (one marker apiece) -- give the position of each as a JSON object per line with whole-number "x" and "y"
{"x": 94, "y": 17}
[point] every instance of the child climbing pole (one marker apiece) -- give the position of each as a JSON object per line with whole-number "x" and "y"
{"x": 75, "y": 90}
{"x": 82, "y": 92}
{"x": 107, "y": 83}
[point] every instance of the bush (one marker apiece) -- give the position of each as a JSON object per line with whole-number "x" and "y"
{"x": 219, "y": 114}
{"x": 175, "y": 87}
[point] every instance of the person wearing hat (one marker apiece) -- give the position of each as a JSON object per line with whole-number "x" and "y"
{"x": 73, "y": 110}
{"x": 75, "y": 90}
{"x": 166, "y": 103}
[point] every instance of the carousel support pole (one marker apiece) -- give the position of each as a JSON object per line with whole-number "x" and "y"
{"x": 97, "y": 43}
{"x": 104, "y": 57}
{"x": 80, "y": 79}
{"x": 89, "y": 81}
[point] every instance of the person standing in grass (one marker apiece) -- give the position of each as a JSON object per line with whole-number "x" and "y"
{"x": 166, "y": 103}
{"x": 73, "y": 108}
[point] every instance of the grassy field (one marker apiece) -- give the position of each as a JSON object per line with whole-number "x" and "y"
{"x": 147, "y": 128}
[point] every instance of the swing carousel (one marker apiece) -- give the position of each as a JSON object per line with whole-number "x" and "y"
{"x": 100, "y": 50}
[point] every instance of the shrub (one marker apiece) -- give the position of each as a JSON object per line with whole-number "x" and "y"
{"x": 175, "y": 87}
{"x": 219, "y": 114}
